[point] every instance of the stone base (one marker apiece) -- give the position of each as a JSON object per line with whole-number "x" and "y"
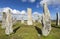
{"x": 22, "y": 21}
{"x": 29, "y": 23}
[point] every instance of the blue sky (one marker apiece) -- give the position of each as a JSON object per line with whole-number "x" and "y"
{"x": 36, "y": 5}
{"x": 20, "y": 5}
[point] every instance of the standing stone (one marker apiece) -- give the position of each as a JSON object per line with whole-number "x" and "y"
{"x": 8, "y": 22}
{"x": 46, "y": 22}
{"x": 29, "y": 11}
{"x": 57, "y": 19}
{"x": 3, "y": 20}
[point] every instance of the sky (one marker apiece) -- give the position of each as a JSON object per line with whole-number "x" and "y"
{"x": 35, "y": 5}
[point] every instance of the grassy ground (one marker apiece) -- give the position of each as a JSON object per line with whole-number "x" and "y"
{"x": 22, "y": 31}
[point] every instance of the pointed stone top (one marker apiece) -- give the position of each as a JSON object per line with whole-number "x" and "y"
{"x": 45, "y": 8}
{"x": 29, "y": 8}
{"x": 57, "y": 13}
{"x": 6, "y": 9}
{"x": 44, "y": 3}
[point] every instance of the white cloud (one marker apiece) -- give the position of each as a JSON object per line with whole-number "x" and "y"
{"x": 23, "y": 0}
{"x": 15, "y": 11}
{"x": 32, "y": 1}
{"x": 23, "y": 12}
{"x": 1, "y": 9}
{"x": 6, "y": 9}
{"x": 37, "y": 6}
{"x": 49, "y": 2}
{"x": 37, "y": 13}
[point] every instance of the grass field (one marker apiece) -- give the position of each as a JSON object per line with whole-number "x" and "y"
{"x": 22, "y": 31}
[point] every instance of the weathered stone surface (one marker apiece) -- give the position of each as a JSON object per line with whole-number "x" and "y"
{"x": 9, "y": 29}
{"x": 46, "y": 22}
{"x": 57, "y": 19}
{"x": 29, "y": 11}
{"x": 8, "y": 22}
{"x": 3, "y": 20}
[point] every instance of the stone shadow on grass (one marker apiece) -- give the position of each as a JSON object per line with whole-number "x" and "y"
{"x": 55, "y": 26}
{"x": 38, "y": 30}
{"x": 16, "y": 29}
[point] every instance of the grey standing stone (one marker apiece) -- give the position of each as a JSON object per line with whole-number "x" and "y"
{"x": 57, "y": 19}
{"x": 8, "y": 22}
{"x": 3, "y": 20}
{"x": 46, "y": 22}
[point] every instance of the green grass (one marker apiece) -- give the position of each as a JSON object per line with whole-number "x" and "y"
{"x": 27, "y": 32}
{"x": 22, "y": 31}
{"x": 54, "y": 34}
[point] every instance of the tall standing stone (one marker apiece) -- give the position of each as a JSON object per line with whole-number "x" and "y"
{"x": 3, "y": 20}
{"x": 46, "y": 22}
{"x": 29, "y": 11}
{"x": 57, "y": 19}
{"x": 8, "y": 22}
